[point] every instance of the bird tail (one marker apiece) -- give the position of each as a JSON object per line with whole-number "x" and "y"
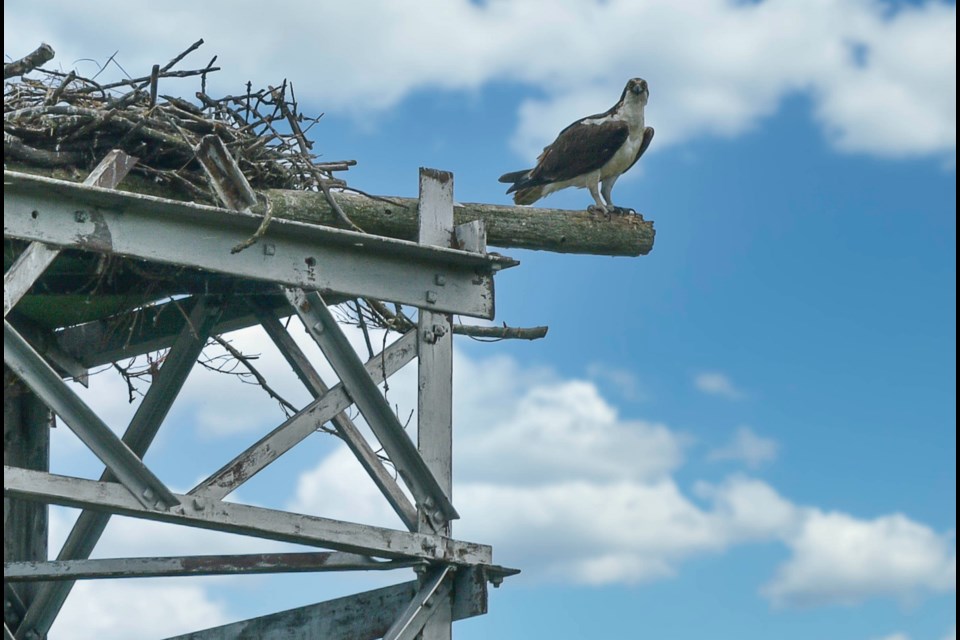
{"x": 515, "y": 176}
{"x": 528, "y": 195}
{"x": 524, "y": 189}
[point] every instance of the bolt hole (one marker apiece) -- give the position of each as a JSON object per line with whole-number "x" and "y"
{"x": 34, "y": 214}
{"x": 311, "y": 261}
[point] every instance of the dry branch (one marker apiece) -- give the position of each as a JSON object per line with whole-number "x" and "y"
{"x": 42, "y": 55}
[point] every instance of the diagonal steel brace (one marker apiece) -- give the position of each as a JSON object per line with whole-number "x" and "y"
{"x": 323, "y": 327}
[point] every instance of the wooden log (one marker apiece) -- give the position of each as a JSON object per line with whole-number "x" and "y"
{"x": 508, "y": 226}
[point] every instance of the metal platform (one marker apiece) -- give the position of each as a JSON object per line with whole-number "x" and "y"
{"x": 298, "y": 269}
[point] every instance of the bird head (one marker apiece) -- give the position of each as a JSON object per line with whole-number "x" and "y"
{"x": 637, "y": 89}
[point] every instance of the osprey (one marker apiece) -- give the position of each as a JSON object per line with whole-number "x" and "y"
{"x": 591, "y": 153}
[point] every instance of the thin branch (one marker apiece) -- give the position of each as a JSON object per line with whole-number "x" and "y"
{"x": 261, "y": 381}
{"x": 500, "y": 333}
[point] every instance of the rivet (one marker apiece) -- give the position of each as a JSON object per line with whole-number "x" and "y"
{"x": 440, "y": 279}
{"x": 269, "y": 249}
{"x": 431, "y": 296}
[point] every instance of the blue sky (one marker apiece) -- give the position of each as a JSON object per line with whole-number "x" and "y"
{"x": 748, "y": 433}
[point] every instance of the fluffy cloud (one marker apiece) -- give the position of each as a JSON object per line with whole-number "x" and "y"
{"x": 549, "y": 472}
{"x": 717, "y": 384}
{"x": 881, "y": 81}
{"x": 839, "y": 559}
{"x": 560, "y": 484}
{"x": 110, "y": 609}
{"x": 747, "y": 447}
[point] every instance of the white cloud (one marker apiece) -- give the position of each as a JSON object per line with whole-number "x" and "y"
{"x": 882, "y": 82}
{"x": 747, "y": 447}
{"x": 566, "y": 488}
{"x": 111, "y": 609}
{"x": 839, "y": 559}
{"x": 717, "y": 384}
{"x": 567, "y": 430}
{"x": 539, "y": 474}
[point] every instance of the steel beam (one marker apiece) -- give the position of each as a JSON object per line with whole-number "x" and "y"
{"x": 31, "y": 264}
{"x": 363, "y": 616}
{"x": 25, "y": 270}
{"x": 140, "y": 433}
{"x": 242, "y": 519}
{"x": 145, "y": 487}
{"x": 295, "y": 254}
{"x": 33, "y": 571}
{"x": 301, "y": 425}
{"x": 431, "y": 598}
{"x": 45, "y": 343}
{"x": 325, "y": 330}
{"x": 364, "y": 453}
{"x": 155, "y": 327}
{"x": 435, "y": 385}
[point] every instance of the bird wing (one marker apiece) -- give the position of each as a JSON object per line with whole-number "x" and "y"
{"x": 647, "y": 137}
{"x": 579, "y": 149}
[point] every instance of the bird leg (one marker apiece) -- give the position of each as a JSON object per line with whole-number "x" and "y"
{"x": 599, "y": 207}
{"x": 605, "y": 191}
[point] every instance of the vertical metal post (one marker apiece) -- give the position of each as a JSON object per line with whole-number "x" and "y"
{"x": 435, "y": 386}
{"x": 26, "y": 443}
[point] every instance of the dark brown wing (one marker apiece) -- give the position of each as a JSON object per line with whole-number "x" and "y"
{"x": 579, "y": 149}
{"x": 647, "y": 137}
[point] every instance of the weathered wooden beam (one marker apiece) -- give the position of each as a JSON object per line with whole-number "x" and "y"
{"x": 508, "y": 226}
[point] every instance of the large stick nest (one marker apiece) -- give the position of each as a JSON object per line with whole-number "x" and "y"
{"x": 57, "y": 119}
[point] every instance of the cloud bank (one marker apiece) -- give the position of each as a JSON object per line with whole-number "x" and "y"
{"x": 881, "y": 81}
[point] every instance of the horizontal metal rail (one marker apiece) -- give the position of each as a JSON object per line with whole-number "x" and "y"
{"x": 67, "y": 214}
{"x": 255, "y": 563}
{"x": 242, "y": 519}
